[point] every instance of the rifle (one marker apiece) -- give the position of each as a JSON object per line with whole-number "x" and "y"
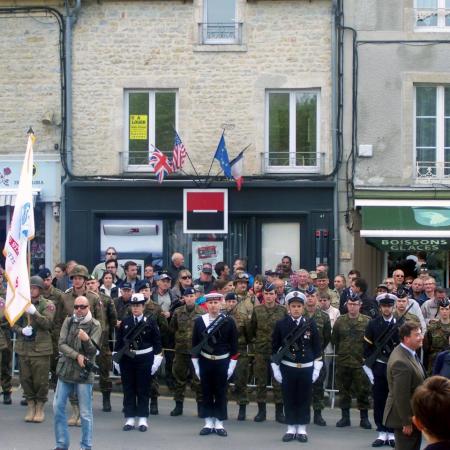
{"x": 290, "y": 341}
{"x": 208, "y": 334}
{"x": 382, "y": 341}
{"x": 130, "y": 338}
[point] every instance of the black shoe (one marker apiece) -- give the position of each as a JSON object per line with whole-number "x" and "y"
{"x": 262, "y": 413}
{"x": 154, "y": 407}
{"x": 205, "y": 431}
{"x": 391, "y": 442}
{"x": 345, "y": 419}
{"x": 279, "y": 415}
{"x": 242, "y": 411}
{"x": 178, "y": 410}
{"x": 318, "y": 419}
{"x": 378, "y": 443}
{"x": 302, "y": 438}
{"x": 288, "y": 437}
{"x": 142, "y": 428}
{"x": 7, "y": 398}
{"x": 128, "y": 427}
{"x": 106, "y": 401}
{"x": 221, "y": 432}
{"x": 24, "y": 402}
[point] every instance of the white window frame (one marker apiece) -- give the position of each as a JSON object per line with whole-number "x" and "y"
{"x": 151, "y": 132}
{"x": 292, "y": 167}
{"x": 440, "y": 26}
{"x": 440, "y": 134}
{"x": 204, "y": 28}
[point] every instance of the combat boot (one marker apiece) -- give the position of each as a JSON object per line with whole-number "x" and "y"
{"x": 106, "y": 401}
{"x": 75, "y": 417}
{"x": 279, "y": 415}
{"x": 39, "y": 416}
{"x": 31, "y": 411}
{"x": 318, "y": 419}
{"x": 178, "y": 410}
{"x": 364, "y": 422}
{"x": 154, "y": 406}
{"x": 262, "y": 413}
{"x": 345, "y": 420}
{"x": 7, "y": 398}
{"x": 242, "y": 412}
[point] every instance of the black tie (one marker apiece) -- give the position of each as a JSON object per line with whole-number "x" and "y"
{"x": 136, "y": 321}
{"x": 419, "y": 362}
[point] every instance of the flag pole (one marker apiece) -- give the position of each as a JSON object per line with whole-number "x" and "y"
{"x": 212, "y": 162}
{"x": 189, "y": 158}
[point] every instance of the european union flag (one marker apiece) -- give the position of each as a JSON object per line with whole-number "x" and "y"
{"x": 222, "y": 156}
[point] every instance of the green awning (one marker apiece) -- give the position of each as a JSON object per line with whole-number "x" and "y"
{"x": 401, "y": 219}
{"x": 409, "y": 245}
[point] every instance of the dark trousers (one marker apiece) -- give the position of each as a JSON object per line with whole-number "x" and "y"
{"x": 135, "y": 374}
{"x": 297, "y": 394}
{"x": 213, "y": 379}
{"x": 403, "y": 442}
{"x": 104, "y": 362}
{"x": 6, "y": 369}
{"x": 380, "y": 391}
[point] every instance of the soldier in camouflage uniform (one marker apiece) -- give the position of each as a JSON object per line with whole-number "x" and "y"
{"x": 5, "y": 352}
{"x": 243, "y": 314}
{"x": 401, "y": 305}
{"x": 122, "y": 303}
{"x": 79, "y": 274}
{"x": 262, "y": 324}
{"x": 181, "y": 326}
{"x": 104, "y": 359}
{"x": 323, "y": 323}
{"x": 55, "y": 295}
{"x": 348, "y": 339}
{"x": 34, "y": 347}
{"x": 438, "y": 332}
{"x": 323, "y": 286}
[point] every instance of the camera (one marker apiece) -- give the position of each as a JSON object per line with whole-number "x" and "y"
{"x": 89, "y": 367}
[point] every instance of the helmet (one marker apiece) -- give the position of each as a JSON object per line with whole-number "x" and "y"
{"x": 80, "y": 271}
{"x": 37, "y": 281}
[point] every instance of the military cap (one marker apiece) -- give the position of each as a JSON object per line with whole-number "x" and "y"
{"x": 310, "y": 290}
{"x": 383, "y": 286}
{"x": 188, "y": 291}
{"x": 269, "y": 287}
{"x": 164, "y": 275}
{"x": 322, "y": 275}
{"x": 213, "y": 296}
{"x": 230, "y": 296}
{"x": 137, "y": 299}
{"x": 295, "y": 296}
{"x": 44, "y": 273}
{"x": 126, "y": 285}
{"x": 313, "y": 275}
{"x": 141, "y": 284}
{"x": 386, "y": 299}
{"x": 444, "y": 303}
{"x": 37, "y": 281}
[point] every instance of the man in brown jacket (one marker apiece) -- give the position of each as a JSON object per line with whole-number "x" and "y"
{"x": 404, "y": 374}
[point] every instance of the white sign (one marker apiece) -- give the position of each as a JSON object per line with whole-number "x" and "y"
{"x": 205, "y": 252}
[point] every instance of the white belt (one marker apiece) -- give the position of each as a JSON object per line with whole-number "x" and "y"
{"x": 214, "y": 357}
{"x": 381, "y": 362}
{"x": 297, "y": 365}
{"x": 143, "y": 351}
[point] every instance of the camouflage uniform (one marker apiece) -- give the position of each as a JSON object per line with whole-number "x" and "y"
{"x": 334, "y": 297}
{"x": 436, "y": 341}
{"x": 5, "y": 350}
{"x": 261, "y": 328}
{"x": 181, "y": 325}
{"x": 348, "y": 339}
{"x": 34, "y": 351}
{"x": 4, "y": 329}
{"x": 323, "y": 323}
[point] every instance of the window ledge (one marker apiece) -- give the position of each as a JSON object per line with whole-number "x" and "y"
{"x": 217, "y": 48}
{"x": 292, "y": 170}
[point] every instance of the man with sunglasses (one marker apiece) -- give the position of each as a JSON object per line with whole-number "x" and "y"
{"x": 78, "y": 341}
{"x": 100, "y": 268}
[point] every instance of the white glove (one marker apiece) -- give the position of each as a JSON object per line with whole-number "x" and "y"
{"x": 115, "y": 364}
{"x": 276, "y": 372}
{"x": 157, "y": 360}
{"x": 316, "y": 372}
{"x": 196, "y": 367}
{"x": 31, "y": 309}
{"x": 27, "y": 331}
{"x": 231, "y": 367}
{"x": 369, "y": 373}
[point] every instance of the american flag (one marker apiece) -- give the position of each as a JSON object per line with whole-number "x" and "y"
{"x": 179, "y": 153}
{"x": 161, "y": 165}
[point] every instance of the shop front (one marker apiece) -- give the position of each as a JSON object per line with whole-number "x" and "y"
{"x": 144, "y": 221}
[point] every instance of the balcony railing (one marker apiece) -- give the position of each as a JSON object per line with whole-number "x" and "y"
{"x": 432, "y": 17}
{"x": 303, "y": 162}
{"x": 220, "y": 33}
{"x": 432, "y": 170}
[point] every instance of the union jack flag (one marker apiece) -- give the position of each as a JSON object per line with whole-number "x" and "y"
{"x": 179, "y": 153}
{"x": 161, "y": 164}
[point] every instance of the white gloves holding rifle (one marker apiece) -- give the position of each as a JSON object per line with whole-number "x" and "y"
{"x": 231, "y": 367}
{"x": 196, "y": 367}
{"x": 157, "y": 360}
{"x": 276, "y": 372}
{"x": 317, "y": 368}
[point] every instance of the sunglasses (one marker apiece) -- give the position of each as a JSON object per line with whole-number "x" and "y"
{"x": 186, "y": 277}
{"x": 80, "y": 306}
{"x": 111, "y": 253}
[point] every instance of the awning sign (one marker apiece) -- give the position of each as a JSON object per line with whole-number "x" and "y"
{"x": 138, "y": 127}
{"x": 410, "y": 245}
{"x": 205, "y": 211}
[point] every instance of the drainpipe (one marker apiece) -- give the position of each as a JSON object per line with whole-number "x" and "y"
{"x": 70, "y": 21}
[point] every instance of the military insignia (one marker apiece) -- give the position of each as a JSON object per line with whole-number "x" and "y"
{"x": 126, "y": 326}
{"x": 51, "y": 307}
{"x": 307, "y": 335}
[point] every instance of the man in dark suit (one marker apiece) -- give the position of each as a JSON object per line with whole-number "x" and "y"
{"x": 404, "y": 374}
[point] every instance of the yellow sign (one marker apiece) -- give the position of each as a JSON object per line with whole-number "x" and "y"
{"x": 138, "y": 127}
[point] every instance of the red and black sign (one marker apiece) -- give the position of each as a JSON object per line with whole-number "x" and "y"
{"x": 205, "y": 211}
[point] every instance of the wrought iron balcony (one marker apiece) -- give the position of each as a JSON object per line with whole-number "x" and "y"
{"x": 220, "y": 33}
{"x": 432, "y": 171}
{"x": 285, "y": 162}
{"x": 432, "y": 17}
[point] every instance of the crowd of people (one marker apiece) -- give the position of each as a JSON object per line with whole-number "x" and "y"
{"x": 295, "y": 332}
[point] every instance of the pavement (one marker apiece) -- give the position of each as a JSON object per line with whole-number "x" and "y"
{"x": 177, "y": 433}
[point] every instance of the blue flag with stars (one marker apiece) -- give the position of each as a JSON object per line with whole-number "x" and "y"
{"x": 222, "y": 156}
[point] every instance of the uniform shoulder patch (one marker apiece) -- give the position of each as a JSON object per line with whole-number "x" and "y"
{"x": 50, "y": 307}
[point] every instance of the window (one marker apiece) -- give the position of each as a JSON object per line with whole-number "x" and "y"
{"x": 292, "y": 131}
{"x": 432, "y": 15}
{"x": 220, "y": 24}
{"x": 432, "y": 132}
{"x": 150, "y": 121}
